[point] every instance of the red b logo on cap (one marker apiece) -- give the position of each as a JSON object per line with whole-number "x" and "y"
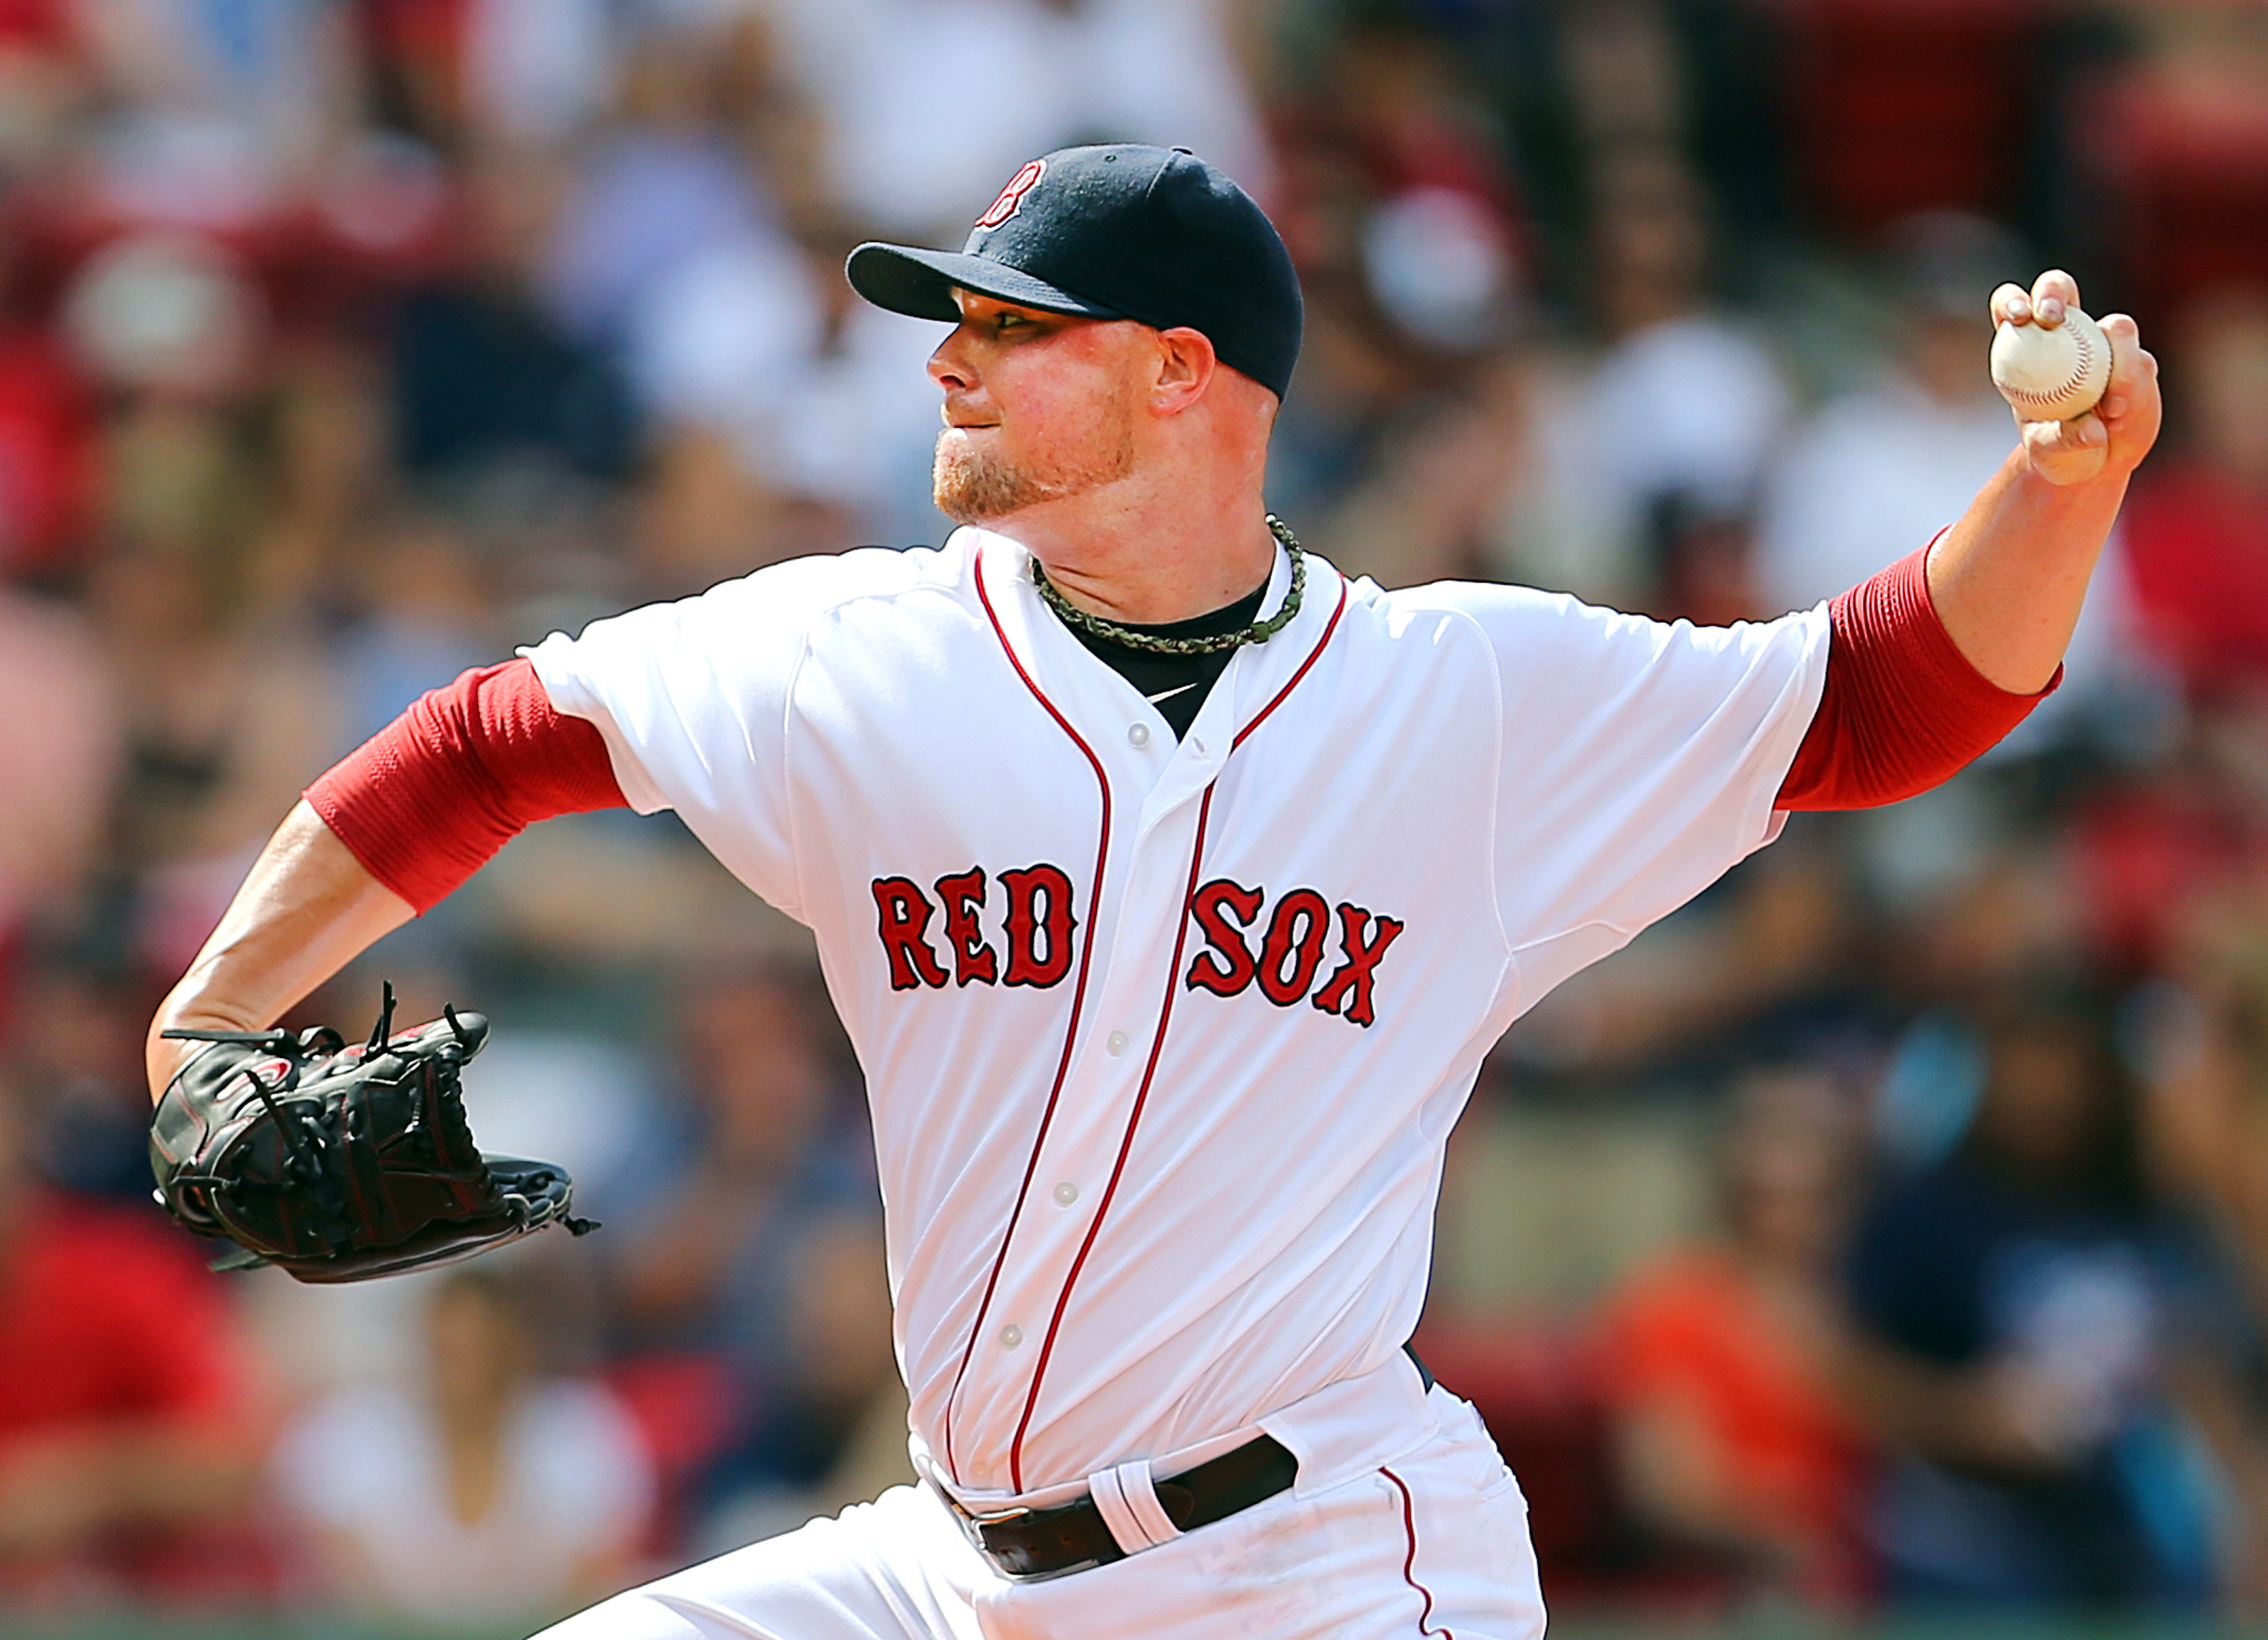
{"x": 1012, "y": 196}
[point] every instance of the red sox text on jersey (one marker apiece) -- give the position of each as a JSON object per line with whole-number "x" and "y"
{"x": 1037, "y": 924}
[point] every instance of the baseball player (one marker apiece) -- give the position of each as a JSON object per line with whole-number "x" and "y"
{"x": 1172, "y": 888}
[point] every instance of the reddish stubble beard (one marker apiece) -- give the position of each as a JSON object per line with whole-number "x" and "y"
{"x": 973, "y": 484}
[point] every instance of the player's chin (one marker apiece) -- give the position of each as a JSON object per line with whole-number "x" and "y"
{"x": 969, "y": 487}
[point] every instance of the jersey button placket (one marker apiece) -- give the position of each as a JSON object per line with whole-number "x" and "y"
{"x": 1039, "y": 1278}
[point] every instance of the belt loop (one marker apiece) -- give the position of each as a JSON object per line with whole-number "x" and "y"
{"x": 1129, "y": 1503}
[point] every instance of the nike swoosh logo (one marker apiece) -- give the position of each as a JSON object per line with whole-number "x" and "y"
{"x": 1168, "y": 695}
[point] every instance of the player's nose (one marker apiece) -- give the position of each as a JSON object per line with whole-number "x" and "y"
{"x": 949, "y": 366}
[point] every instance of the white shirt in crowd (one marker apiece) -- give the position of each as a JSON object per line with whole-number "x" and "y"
{"x": 1875, "y": 473}
{"x": 366, "y": 1466}
{"x": 930, "y": 105}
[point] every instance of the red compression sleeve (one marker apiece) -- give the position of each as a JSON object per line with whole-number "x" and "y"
{"x": 1902, "y": 710}
{"x": 426, "y": 801}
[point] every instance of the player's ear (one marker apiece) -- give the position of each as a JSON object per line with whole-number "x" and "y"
{"x": 1185, "y": 365}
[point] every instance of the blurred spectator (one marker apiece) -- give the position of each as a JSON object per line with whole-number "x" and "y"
{"x": 794, "y": 417}
{"x": 125, "y": 1437}
{"x": 76, "y": 1035}
{"x": 534, "y": 73}
{"x": 423, "y": 611}
{"x": 483, "y": 374}
{"x": 1974, "y": 909}
{"x": 43, "y": 80}
{"x": 665, "y": 186}
{"x": 1428, "y": 509}
{"x": 227, "y": 716}
{"x": 2172, "y": 174}
{"x": 1876, "y": 474}
{"x": 2208, "y": 1052}
{"x": 175, "y": 328}
{"x": 909, "y": 150}
{"x": 59, "y": 750}
{"x": 1898, "y": 107}
{"x": 1766, "y": 966}
{"x": 1720, "y": 1358}
{"x": 2184, "y": 842}
{"x": 487, "y": 1493}
{"x": 2037, "y": 1328}
{"x": 1412, "y": 246}
{"x": 47, "y": 453}
{"x": 751, "y": 1247}
{"x": 1671, "y": 428}
{"x": 2196, "y": 528}
{"x": 215, "y": 116}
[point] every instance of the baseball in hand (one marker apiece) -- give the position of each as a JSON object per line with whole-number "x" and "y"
{"x": 2052, "y": 375}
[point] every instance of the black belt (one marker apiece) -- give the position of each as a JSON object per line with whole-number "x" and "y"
{"x": 1032, "y": 1545}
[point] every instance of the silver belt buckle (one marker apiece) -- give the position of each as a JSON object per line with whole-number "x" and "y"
{"x": 972, "y": 1523}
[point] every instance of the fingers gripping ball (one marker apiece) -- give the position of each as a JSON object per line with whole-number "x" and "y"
{"x": 2052, "y": 375}
{"x": 340, "y": 1163}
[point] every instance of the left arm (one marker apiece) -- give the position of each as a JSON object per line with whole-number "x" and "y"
{"x": 2008, "y": 578}
{"x": 1941, "y": 654}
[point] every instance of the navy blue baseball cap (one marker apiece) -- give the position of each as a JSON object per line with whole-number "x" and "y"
{"x": 1123, "y": 230}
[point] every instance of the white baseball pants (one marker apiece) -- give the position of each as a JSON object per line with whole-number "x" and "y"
{"x": 1432, "y": 1545}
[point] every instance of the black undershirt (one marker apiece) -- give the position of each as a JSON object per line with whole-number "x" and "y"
{"x": 1177, "y": 685}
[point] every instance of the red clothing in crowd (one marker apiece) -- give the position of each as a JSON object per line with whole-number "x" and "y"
{"x": 104, "y": 1315}
{"x": 108, "y": 1324}
{"x": 2197, "y": 545}
{"x": 1694, "y": 1333}
{"x": 48, "y": 421}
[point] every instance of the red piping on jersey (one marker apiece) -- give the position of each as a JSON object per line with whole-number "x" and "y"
{"x": 1409, "y": 1558}
{"x": 1330, "y": 627}
{"x": 1070, "y": 1031}
{"x": 1149, "y": 1069}
{"x": 1118, "y": 1168}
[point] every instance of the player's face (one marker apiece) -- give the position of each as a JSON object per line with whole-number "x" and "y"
{"x": 1038, "y": 407}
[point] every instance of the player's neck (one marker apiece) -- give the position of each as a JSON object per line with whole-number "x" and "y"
{"x": 1148, "y": 558}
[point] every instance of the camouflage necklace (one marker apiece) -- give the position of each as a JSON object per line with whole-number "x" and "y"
{"x": 1134, "y": 637}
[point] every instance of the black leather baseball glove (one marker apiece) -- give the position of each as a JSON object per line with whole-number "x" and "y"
{"x": 339, "y": 1163}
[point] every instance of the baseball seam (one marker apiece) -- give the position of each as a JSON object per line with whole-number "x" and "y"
{"x": 2082, "y": 365}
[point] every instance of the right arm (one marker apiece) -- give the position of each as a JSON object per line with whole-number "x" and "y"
{"x": 385, "y": 835}
{"x": 308, "y": 909}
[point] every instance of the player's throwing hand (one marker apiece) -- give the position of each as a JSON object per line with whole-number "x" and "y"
{"x": 2109, "y": 441}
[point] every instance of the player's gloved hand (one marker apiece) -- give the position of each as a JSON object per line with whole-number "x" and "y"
{"x": 340, "y": 1163}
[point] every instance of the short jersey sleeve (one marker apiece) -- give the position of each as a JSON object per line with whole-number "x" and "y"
{"x": 692, "y": 700}
{"x": 1641, "y": 760}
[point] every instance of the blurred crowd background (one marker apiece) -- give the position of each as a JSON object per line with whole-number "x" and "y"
{"x": 1885, "y": 1235}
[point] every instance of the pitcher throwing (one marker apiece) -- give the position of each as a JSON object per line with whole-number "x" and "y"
{"x": 1172, "y": 888}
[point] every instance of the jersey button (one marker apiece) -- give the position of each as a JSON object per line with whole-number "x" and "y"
{"x": 1139, "y": 734}
{"x": 1066, "y": 1193}
{"x": 1011, "y": 1335}
{"x": 1198, "y": 747}
{"x": 1114, "y": 1044}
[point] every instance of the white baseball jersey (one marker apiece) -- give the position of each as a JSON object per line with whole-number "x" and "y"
{"x": 1163, "y": 1040}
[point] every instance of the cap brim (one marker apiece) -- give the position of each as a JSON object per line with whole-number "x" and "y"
{"x": 906, "y": 279}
